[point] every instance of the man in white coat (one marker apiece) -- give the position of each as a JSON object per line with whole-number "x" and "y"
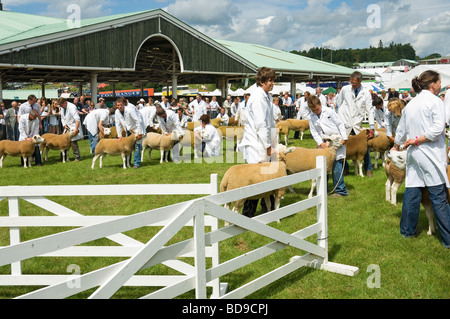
{"x": 129, "y": 119}
{"x": 30, "y": 104}
{"x": 198, "y": 107}
{"x": 169, "y": 122}
{"x": 148, "y": 113}
{"x": 208, "y": 137}
{"x": 94, "y": 122}
{"x": 70, "y": 120}
{"x": 259, "y": 138}
{"x": 354, "y": 102}
{"x": 29, "y": 127}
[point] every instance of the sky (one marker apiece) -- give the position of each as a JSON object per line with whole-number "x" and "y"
{"x": 285, "y": 24}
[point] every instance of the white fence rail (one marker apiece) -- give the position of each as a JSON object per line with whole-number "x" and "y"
{"x": 198, "y": 213}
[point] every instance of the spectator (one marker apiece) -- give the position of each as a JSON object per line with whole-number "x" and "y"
{"x": 44, "y": 110}
{"x": 101, "y": 104}
{"x": 422, "y": 132}
{"x": 214, "y": 107}
{"x": 223, "y": 116}
{"x": 227, "y": 105}
{"x": 54, "y": 118}
{"x": 287, "y": 104}
{"x": 380, "y": 112}
{"x": 30, "y": 104}
{"x": 234, "y": 106}
{"x": 198, "y": 107}
{"x": 12, "y": 125}
{"x": 276, "y": 110}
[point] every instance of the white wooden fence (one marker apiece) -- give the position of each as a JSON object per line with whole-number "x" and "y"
{"x": 198, "y": 213}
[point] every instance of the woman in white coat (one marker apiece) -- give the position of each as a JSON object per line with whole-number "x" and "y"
{"x": 70, "y": 120}
{"x": 422, "y": 131}
{"x": 209, "y": 141}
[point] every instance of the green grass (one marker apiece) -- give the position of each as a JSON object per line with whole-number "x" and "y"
{"x": 363, "y": 231}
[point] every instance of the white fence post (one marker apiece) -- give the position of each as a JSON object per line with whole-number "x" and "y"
{"x": 14, "y": 211}
{"x": 200, "y": 256}
{"x": 214, "y": 180}
{"x": 322, "y": 235}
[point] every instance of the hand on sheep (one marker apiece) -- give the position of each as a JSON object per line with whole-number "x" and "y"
{"x": 323, "y": 145}
{"x": 371, "y": 134}
{"x": 270, "y": 151}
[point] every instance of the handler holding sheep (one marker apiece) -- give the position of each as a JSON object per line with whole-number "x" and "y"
{"x": 70, "y": 120}
{"x": 354, "y": 101}
{"x": 325, "y": 121}
{"x": 260, "y": 138}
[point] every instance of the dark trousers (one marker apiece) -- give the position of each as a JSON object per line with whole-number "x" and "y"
{"x": 36, "y": 155}
{"x": 250, "y": 206}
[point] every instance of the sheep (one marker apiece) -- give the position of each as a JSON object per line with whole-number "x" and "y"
{"x": 232, "y": 133}
{"x": 243, "y": 175}
{"x": 232, "y": 121}
{"x": 25, "y": 149}
{"x": 57, "y": 142}
{"x": 395, "y": 171}
{"x": 357, "y": 149}
{"x": 282, "y": 128}
{"x": 165, "y": 143}
{"x": 298, "y": 125}
{"x": 114, "y": 147}
{"x": 303, "y": 159}
{"x": 380, "y": 144}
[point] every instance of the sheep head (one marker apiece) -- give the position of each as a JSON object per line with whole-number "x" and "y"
{"x": 107, "y": 131}
{"x": 38, "y": 139}
{"x": 333, "y": 140}
{"x": 398, "y": 158}
{"x": 281, "y": 151}
{"x": 175, "y": 136}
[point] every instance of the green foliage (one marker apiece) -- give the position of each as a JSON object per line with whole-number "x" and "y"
{"x": 363, "y": 231}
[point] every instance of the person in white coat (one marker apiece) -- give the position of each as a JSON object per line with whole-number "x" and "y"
{"x": 70, "y": 120}
{"x": 208, "y": 138}
{"x": 29, "y": 127}
{"x": 198, "y": 107}
{"x": 422, "y": 132}
{"x": 259, "y": 139}
{"x": 169, "y": 122}
{"x": 223, "y": 116}
{"x": 129, "y": 119}
{"x": 380, "y": 112}
{"x": 148, "y": 113}
{"x": 355, "y": 101}
{"x": 94, "y": 122}
{"x": 303, "y": 111}
{"x": 324, "y": 120}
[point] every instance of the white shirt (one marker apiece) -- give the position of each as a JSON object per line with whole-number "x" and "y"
{"x": 352, "y": 109}
{"x": 304, "y": 111}
{"x": 93, "y": 119}
{"x": 27, "y": 128}
{"x": 276, "y": 112}
{"x": 380, "y": 116}
{"x": 25, "y": 108}
{"x": 170, "y": 123}
{"x": 183, "y": 120}
{"x": 391, "y": 122}
{"x": 212, "y": 139}
{"x": 426, "y": 164}
{"x": 148, "y": 115}
{"x": 241, "y": 113}
{"x": 199, "y": 108}
{"x": 259, "y": 131}
{"x": 225, "y": 118}
{"x": 214, "y": 105}
{"x": 234, "y": 109}
{"x": 69, "y": 117}
{"x": 323, "y": 100}
{"x": 131, "y": 120}
{"x": 328, "y": 122}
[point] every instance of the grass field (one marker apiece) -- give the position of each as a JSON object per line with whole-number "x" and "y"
{"x": 363, "y": 231}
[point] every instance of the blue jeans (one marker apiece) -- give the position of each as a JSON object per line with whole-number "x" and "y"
{"x": 338, "y": 178}
{"x": 137, "y": 153}
{"x": 411, "y": 208}
{"x": 367, "y": 160}
{"x": 93, "y": 141}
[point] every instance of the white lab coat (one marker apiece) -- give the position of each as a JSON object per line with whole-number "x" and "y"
{"x": 27, "y": 128}
{"x": 328, "y": 122}
{"x": 352, "y": 110}
{"x": 170, "y": 123}
{"x": 69, "y": 117}
{"x": 224, "y": 118}
{"x": 426, "y": 164}
{"x": 259, "y": 132}
{"x": 380, "y": 115}
{"x": 447, "y": 107}
{"x": 211, "y": 138}
{"x": 199, "y": 108}
{"x": 323, "y": 100}
{"x": 241, "y": 114}
{"x": 93, "y": 119}
{"x": 25, "y": 108}
{"x": 131, "y": 120}
{"x": 391, "y": 122}
{"x": 183, "y": 120}
{"x": 148, "y": 115}
{"x": 304, "y": 111}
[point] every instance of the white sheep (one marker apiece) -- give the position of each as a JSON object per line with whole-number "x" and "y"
{"x": 156, "y": 141}
{"x": 115, "y": 147}
{"x": 57, "y": 142}
{"x": 380, "y": 144}
{"x": 243, "y": 175}
{"x": 356, "y": 150}
{"x": 24, "y": 149}
{"x": 304, "y": 159}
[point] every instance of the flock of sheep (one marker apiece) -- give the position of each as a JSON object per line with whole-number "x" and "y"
{"x": 291, "y": 160}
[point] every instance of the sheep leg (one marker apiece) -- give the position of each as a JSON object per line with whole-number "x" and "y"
{"x": 360, "y": 167}
{"x": 429, "y": 213}
{"x": 25, "y": 159}
{"x": 1, "y": 160}
{"x": 376, "y": 156}
{"x": 388, "y": 189}
{"x": 124, "y": 160}
{"x": 46, "y": 153}
{"x": 394, "y": 189}
{"x": 101, "y": 160}
{"x": 291, "y": 189}
{"x": 93, "y": 161}
{"x": 301, "y": 136}
{"x": 313, "y": 186}
{"x": 63, "y": 154}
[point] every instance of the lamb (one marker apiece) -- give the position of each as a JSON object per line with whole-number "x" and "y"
{"x": 303, "y": 159}
{"x": 25, "y": 149}
{"x": 114, "y": 147}
{"x": 298, "y": 125}
{"x": 57, "y": 142}
{"x": 248, "y": 174}
{"x": 395, "y": 171}
{"x": 380, "y": 144}
{"x": 165, "y": 143}
{"x": 357, "y": 149}
{"x": 283, "y": 128}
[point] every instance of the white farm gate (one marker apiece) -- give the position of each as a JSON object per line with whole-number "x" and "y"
{"x": 198, "y": 213}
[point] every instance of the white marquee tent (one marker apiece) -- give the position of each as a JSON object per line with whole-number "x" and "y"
{"x": 404, "y": 81}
